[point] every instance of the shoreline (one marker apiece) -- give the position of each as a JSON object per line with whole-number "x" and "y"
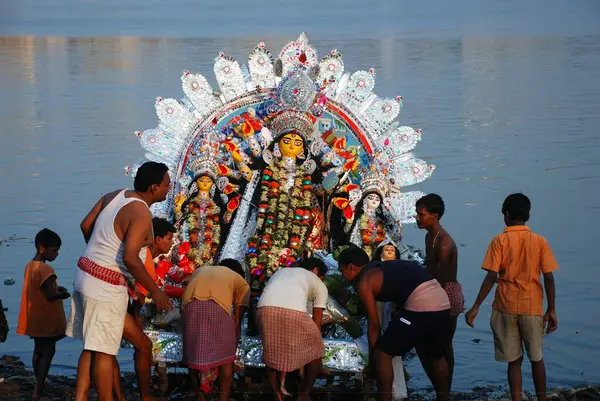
{"x": 17, "y": 383}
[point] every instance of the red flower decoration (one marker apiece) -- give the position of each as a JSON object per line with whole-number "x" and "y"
{"x": 184, "y": 248}
{"x": 162, "y": 268}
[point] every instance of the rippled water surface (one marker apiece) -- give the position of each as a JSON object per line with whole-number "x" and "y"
{"x": 507, "y": 97}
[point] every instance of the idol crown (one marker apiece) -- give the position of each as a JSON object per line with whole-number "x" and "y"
{"x": 293, "y": 121}
{"x": 204, "y": 165}
{"x": 374, "y": 181}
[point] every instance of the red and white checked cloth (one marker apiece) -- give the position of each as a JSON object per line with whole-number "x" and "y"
{"x": 209, "y": 337}
{"x": 101, "y": 273}
{"x": 456, "y": 297}
{"x": 289, "y": 337}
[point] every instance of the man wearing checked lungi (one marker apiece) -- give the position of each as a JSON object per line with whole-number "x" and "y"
{"x": 291, "y": 338}
{"x": 210, "y": 331}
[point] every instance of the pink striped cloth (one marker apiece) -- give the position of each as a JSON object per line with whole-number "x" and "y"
{"x": 289, "y": 337}
{"x": 428, "y": 297}
{"x": 209, "y": 339}
{"x": 456, "y": 297}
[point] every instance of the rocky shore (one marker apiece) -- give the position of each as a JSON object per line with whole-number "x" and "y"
{"x": 17, "y": 383}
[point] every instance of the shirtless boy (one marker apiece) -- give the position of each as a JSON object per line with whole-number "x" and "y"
{"x": 441, "y": 257}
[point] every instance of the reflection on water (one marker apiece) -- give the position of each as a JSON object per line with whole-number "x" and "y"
{"x": 499, "y": 114}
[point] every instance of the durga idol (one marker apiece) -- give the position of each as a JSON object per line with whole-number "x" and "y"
{"x": 286, "y": 197}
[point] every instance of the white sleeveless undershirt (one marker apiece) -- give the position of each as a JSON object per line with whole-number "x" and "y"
{"x": 106, "y": 249}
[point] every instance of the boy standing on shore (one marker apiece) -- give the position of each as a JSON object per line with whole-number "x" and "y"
{"x": 42, "y": 316}
{"x": 442, "y": 263}
{"x": 515, "y": 259}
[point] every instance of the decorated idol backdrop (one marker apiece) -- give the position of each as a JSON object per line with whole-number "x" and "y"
{"x": 290, "y": 157}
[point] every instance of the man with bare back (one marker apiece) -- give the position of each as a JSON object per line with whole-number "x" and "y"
{"x": 117, "y": 230}
{"x": 441, "y": 258}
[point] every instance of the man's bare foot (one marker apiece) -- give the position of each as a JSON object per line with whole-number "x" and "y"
{"x": 283, "y": 390}
{"x": 36, "y": 396}
{"x": 304, "y": 398}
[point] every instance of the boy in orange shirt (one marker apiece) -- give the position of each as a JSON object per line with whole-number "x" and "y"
{"x": 42, "y": 316}
{"x": 516, "y": 259}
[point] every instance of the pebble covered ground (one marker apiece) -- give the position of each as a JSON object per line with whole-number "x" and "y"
{"x": 17, "y": 383}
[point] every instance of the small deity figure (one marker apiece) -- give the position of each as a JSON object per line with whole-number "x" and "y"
{"x": 368, "y": 225}
{"x": 200, "y": 216}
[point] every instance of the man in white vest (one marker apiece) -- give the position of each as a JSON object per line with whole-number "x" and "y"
{"x": 118, "y": 231}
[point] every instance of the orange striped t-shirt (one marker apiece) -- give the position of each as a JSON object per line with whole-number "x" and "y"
{"x": 520, "y": 257}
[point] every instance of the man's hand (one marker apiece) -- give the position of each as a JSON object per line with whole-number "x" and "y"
{"x": 162, "y": 301}
{"x": 550, "y": 321}
{"x": 63, "y": 293}
{"x": 471, "y": 315}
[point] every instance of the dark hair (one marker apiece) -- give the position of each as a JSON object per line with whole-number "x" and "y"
{"x": 233, "y": 265}
{"x": 149, "y": 173}
{"x": 379, "y": 252}
{"x": 47, "y": 238}
{"x": 517, "y": 206}
{"x": 433, "y": 203}
{"x": 354, "y": 255}
{"x": 162, "y": 227}
{"x": 312, "y": 262}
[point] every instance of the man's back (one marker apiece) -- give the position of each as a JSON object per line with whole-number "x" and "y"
{"x": 292, "y": 288}
{"x": 217, "y": 283}
{"x": 519, "y": 256}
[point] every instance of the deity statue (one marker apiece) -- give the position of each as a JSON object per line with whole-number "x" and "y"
{"x": 367, "y": 224}
{"x": 286, "y": 198}
{"x": 387, "y": 250}
{"x": 255, "y": 162}
{"x": 204, "y": 216}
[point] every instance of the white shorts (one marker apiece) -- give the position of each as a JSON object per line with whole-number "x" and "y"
{"x": 99, "y": 324}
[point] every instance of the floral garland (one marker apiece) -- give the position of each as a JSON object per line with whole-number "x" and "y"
{"x": 204, "y": 231}
{"x": 372, "y": 233}
{"x": 283, "y": 221}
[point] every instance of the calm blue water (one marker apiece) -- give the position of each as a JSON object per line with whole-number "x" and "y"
{"x": 506, "y": 94}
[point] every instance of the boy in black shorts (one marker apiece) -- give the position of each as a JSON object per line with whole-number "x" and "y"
{"x": 421, "y": 320}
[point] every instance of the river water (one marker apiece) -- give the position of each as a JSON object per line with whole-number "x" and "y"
{"x": 507, "y": 95}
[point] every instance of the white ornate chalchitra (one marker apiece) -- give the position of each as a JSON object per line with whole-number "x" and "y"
{"x": 345, "y": 134}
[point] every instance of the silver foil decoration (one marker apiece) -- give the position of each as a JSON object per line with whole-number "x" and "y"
{"x": 237, "y": 240}
{"x": 336, "y": 313}
{"x": 229, "y": 77}
{"x": 341, "y": 355}
{"x": 166, "y": 346}
{"x": 261, "y": 67}
{"x": 200, "y": 94}
{"x": 411, "y": 253}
